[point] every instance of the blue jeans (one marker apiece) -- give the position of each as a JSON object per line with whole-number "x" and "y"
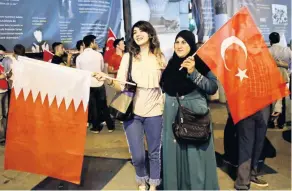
{"x": 135, "y": 129}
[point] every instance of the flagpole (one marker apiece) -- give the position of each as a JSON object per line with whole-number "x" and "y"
{"x": 124, "y": 82}
{"x": 196, "y": 52}
{"x": 192, "y": 56}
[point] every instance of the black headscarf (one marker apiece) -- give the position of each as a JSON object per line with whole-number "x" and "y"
{"x": 175, "y": 81}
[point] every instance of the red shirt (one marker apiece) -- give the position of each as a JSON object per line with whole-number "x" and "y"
{"x": 115, "y": 61}
{"x": 3, "y": 82}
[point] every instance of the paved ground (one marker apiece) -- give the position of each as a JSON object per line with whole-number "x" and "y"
{"x": 278, "y": 169}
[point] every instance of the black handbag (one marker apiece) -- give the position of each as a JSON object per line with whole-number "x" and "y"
{"x": 121, "y": 107}
{"x": 190, "y": 127}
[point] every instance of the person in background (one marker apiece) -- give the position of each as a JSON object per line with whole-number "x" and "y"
{"x": 92, "y": 61}
{"x": 283, "y": 57}
{"x": 114, "y": 64}
{"x": 3, "y": 98}
{"x": 3, "y": 56}
{"x": 18, "y": 50}
{"x": 230, "y": 141}
{"x": 251, "y": 131}
{"x": 3, "y": 105}
{"x": 80, "y": 49}
{"x": 2, "y": 52}
{"x": 187, "y": 166}
{"x": 147, "y": 65}
{"x": 290, "y": 72}
{"x": 9, "y": 61}
{"x": 6, "y": 80}
{"x": 59, "y": 52}
{"x": 115, "y": 60}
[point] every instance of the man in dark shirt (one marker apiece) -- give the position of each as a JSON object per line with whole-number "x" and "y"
{"x": 59, "y": 51}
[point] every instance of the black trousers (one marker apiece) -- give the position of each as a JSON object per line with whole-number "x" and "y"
{"x": 230, "y": 142}
{"x": 290, "y": 85}
{"x": 282, "y": 117}
{"x": 98, "y": 109}
{"x": 251, "y": 136}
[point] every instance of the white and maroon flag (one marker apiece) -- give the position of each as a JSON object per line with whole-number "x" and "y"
{"x": 47, "y": 119}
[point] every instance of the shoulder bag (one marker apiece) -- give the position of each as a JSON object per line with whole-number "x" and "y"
{"x": 190, "y": 127}
{"x": 121, "y": 107}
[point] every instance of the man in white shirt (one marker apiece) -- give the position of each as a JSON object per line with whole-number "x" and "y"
{"x": 282, "y": 56}
{"x": 92, "y": 61}
{"x": 278, "y": 51}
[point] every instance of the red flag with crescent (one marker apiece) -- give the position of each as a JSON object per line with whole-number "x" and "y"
{"x": 109, "y": 49}
{"x": 238, "y": 56}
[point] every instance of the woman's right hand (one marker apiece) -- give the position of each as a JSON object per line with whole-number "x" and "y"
{"x": 100, "y": 76}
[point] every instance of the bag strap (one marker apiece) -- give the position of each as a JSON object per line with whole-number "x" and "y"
{"x": 177, "y": 98}
{"x": 178, "y": 115}
{"x": 129, "y": 76}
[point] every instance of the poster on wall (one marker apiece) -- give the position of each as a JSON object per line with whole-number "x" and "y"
{"x": 204, "y": 15}
{"x": 37, "y": 24}
{"x": 168, "y": 17}
{"x": 269, "y": 15}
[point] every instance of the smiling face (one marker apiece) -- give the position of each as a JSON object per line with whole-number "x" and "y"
{"x": 140, "y": 37}
{"x": 181, "y": 47}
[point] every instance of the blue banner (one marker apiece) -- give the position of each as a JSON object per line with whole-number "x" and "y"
{"x": 269, "y": 15}
{"x": 36, "y": 24}
{"x": 203, "y": 13}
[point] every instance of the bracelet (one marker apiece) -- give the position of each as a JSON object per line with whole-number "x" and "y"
{"x": 111, "y": 84}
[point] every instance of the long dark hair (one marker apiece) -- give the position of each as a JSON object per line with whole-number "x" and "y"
{"x": 154, "y": 44}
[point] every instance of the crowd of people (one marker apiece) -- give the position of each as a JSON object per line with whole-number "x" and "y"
{"x": 161, "y": 88}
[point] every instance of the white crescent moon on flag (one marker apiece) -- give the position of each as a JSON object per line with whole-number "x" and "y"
{"x": 228, "y": 42}
{"x": 111, "y": 38}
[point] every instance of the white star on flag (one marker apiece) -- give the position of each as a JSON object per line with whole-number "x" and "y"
{"x": 107, "y": 49}
{"x": 241, "y": 74}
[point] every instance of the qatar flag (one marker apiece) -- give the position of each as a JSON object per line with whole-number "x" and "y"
{"x": 109, "y": 49}
{"x": 47, "y": 119}
{"x": 237, "y": 54}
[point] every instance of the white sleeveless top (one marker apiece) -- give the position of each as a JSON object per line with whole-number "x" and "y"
{"x": 148, "y": 101}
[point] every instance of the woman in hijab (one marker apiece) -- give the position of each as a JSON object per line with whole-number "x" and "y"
{"x": 188, "y": 166}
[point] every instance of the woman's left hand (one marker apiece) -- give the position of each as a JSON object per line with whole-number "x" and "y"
{"x": 189, "y": 64}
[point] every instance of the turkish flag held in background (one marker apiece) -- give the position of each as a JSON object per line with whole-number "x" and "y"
{"x": 110, "y": 49}
{"x": 47, "y": 56}
{"x": 238, "y": 56}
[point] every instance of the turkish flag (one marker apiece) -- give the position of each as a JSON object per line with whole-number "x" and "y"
{"x": 47, "y": 119}
{"x": 238, "y": 56}
{"x": 110, "y": 49}
{"x": 47, "y": 56}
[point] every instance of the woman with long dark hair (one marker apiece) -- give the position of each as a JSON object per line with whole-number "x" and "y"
{"x": 147, "y": 65}
{"x": 187, "y": 166}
